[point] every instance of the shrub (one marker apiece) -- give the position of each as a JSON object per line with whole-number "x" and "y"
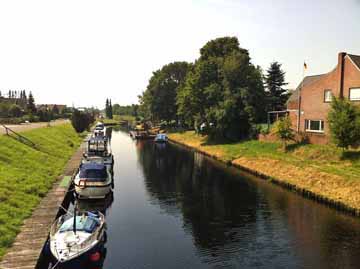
{"x": 344, "y": 123}
{"x": 282, "y": 129}
{"x": 81, "y": 120}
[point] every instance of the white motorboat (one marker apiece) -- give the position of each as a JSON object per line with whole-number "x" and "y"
{"x": 94, "y": 181}
{"x": 161, "y": 138}
{"x": 99, "y": 146}
{"x": 100, "y": 160}
{"x": 100, "y": 129}
{"x": 73, "y": 237}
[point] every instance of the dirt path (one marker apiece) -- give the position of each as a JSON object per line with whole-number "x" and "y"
{"x": 29, "y": 126}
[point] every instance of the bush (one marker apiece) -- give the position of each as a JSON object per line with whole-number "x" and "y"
{"x": 282, "y": 129}
{"x": 344, "y": 123}
{"x": 81, "y": 120}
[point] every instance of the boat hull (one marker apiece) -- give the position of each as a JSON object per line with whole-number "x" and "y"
{"x": 93, "y": 192}
{"x": 84, "y": 260}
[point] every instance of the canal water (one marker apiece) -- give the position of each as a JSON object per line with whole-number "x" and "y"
{"x": 174, "y": 208}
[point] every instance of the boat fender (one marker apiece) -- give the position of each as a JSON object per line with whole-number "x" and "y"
{"x": 94, "y": 257}
{"x": 82, "y": 183}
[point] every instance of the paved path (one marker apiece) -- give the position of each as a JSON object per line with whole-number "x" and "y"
{"x": 29, "y": 242}
{"x": 23, "y": 127}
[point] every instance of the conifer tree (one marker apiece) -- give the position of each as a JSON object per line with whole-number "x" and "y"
{"x": 31, "y": 104}
{"x": 274, "y": 82}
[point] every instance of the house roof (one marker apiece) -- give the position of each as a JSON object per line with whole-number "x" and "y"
{"x": 355, "y": 59}
{"x": 306, "y": 81}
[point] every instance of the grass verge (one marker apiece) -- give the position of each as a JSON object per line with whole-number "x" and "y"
{"x": 26, "y": 174}
{"x": 321, "y": 169}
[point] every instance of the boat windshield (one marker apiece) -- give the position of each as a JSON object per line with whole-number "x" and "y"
{"x": 83, "y": 223}
{"x": 93, "y": 173}
{"x": 161, "y": 136}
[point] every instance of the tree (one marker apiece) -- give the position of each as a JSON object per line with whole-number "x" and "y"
{"x": 344, "y": 123}
{"x": 31, "y": 108}
{"x": 276, "y": 94}
{"x": 81, "y": 120}
{"x": 223, "y": 91}
{"x": 15, "y": 111}
{"x": 108, "y": 109}
{"x": 55, "y": 110}
{"x": 110, "y": 116}
{"x": 282, "y": 129}
{"x": 159, "y": 99}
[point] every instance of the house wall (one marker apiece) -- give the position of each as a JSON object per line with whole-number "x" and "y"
{"x": 313, "y": 105}
{"x": 351, "y": 77}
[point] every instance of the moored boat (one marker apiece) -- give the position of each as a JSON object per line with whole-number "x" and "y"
{"x": 78, "y": 238}
{"x": 100, "y": 129}
{"x": 94, "y": 181}
{"x": 161, "y": 138}
{"x": 99, "y": 146}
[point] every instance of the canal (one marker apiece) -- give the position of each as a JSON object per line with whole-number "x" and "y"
{"x": 173, "y": 208}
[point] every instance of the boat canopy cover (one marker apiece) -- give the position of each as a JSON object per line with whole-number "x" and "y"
{"x": 97, "y": 138}
{"x": 161, "y": 136}
{"x": 83, "y": 223}
{"x": 93, "y": 171}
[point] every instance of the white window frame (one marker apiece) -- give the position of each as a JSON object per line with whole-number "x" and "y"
{"x": 357, "y": 98}
{"x": 308, "y": 125}
{"x": 331, "y": 96}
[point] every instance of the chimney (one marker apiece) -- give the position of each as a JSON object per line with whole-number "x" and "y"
{"x": 341, "y": 66}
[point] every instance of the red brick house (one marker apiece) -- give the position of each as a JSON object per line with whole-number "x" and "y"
{"x": 316, "y": 93}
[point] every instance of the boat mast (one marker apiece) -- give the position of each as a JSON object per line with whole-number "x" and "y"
{"x": 74, "y": 224}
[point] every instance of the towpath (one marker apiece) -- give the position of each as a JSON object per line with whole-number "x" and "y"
{"x": 24, "y": 127}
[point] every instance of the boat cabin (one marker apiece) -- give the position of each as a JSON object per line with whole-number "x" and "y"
{"x": 98, "y": 145}
{"x": 93, "y": 172}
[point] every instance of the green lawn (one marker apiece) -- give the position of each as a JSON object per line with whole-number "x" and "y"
{"x": 26, "y": 174}
{"x": 321, "y": 169}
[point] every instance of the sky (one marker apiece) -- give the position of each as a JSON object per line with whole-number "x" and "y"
{"x": 80, "y": 52}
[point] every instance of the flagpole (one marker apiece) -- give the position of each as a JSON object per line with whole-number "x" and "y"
{"x": 299, "y": 98}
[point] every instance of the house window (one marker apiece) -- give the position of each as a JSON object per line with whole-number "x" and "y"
{"x": 314, "y": 126}
{"x": 327, "y": 96}
{"x": 354, "y": 94}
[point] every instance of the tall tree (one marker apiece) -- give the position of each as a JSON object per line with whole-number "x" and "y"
{"x": 31, "y": 108}
{"x": 224, "y": 91}
{"x": 55, "y": 110}
{"x": 159, "y": 99}
{"x": 110, "y": 110}
{"x": 276, "y": 94}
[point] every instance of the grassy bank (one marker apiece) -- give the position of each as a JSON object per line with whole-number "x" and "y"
{"x": 26, "y": 174}
{"x": 321, "y": 169}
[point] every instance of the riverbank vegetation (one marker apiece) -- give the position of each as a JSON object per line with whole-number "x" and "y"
{"x": 26, "y": 174}
{"x": 222, "y": 94}
{"x": 322, "y": 169}
{"x": 19, "y": 106}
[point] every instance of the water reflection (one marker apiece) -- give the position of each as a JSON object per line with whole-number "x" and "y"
{"x": 173, "y": 208}
{"x": 240, "y": 222}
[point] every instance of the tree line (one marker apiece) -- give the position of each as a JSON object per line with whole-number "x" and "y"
{"x": 116, "y": 109}
{"x": 221, "y": 94}
{"x": 19, "y": 106}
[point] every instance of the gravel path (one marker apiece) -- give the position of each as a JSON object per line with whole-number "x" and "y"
{"x": 29, "y": 126}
